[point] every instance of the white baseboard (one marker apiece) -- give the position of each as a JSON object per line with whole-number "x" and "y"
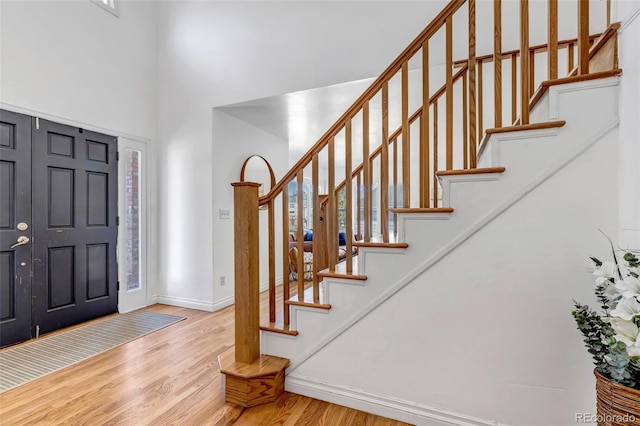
{"x": 223, "y": 303}
{"x": 201, "y": 305}
{"x": 392, "y": 408}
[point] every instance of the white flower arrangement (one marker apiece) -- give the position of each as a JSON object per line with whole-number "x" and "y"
{"x": 613, "y": 337}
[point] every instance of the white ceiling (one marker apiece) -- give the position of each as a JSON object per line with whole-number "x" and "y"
{"x": 300, "y": 117}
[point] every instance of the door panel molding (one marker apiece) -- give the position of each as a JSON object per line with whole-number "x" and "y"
{"x": 15, "y": 288}
{"x": 74, "y": 216}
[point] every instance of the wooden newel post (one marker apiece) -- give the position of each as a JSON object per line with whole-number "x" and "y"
{"x": 247, "y": 271}
{"x": 249, "y": 378}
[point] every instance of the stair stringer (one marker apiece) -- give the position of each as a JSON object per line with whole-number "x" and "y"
{"x": 350, "y": 303}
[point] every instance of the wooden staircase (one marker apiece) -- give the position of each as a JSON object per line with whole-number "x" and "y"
{"x": 408, "y": 171}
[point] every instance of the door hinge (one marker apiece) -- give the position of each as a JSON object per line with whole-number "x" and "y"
{"x": 117, "y": 220}
{"x": 37, "y": 123}
{"x": 118, "y": 283}
{"x": 117, "y": 155}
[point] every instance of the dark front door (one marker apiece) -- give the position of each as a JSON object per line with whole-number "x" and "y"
{"x": 62, "y": 185}
{"x": 75, "y": 196}
{"x": 15, "y": 213}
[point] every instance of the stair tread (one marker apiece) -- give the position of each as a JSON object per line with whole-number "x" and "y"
{"x": 341, "y": 271}
{"x": 423, "y": 210}
{"x": 544, "y": 86}
{"x": 278, "y": 327}
{"x": 307, "y": 299}
{"x": 378, "y": 242}
{"x": 470, "y": 171}
{"x": 532, "y": 126}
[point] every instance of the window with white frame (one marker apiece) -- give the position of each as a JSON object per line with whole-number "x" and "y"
{"x": 108, "y": 5}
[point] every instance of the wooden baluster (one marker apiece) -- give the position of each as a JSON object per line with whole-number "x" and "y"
{"x": 570, "y": 57}
{"x": 425, "y": 175}
{"x": 583, "y": 37}
{"x": 514, "y": 88}
{"x": 552, "y": 48}
{"x": 358, "y": 204}
{"x": 366, "y": 172}
{"x": 435, "y": 152}
{"x": 317, "y": 224}
{"x": 300, "y": 236}
{"x": 348, "y": 196}
{"x": 449, "y": 91}
{"x": 406, "y": 175}
{"x": 608, "y": 13}
{"x": 395, "y": 184}
{"x": 465, "y": 128}
{"x": 332, "y": 213}
{"x": 384, "y": 165}
{"x": 480, "y": 103}
{"x": 524, "y": 62}
{"x": 285, "y": 254}
{"x": 272, "y": 261}
{"x": 497, "y": 61}
{"x": 532, "y": 71}
{"x": 471, "y": 64}
{"x": 247, "y": 271}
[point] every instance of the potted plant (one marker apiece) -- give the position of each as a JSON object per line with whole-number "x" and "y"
{"x": 612, "y": 337}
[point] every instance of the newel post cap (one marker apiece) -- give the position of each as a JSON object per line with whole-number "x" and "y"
{"x": 256, "y": 184}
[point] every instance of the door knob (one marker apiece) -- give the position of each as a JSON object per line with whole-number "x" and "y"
{"x": 22, "y": 240}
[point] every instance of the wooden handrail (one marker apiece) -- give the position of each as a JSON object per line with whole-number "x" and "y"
{"x": 535, "y": 48}
{"x": 438, "y": 145}
{"x": 395, "y": 66}
{"x": 412, "y": 119}
{"x": 386, "y": 75}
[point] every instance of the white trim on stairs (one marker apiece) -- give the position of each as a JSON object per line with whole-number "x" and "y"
{"x": 555, "y": 93}
{"x": 510, "y": 200}
{"x": 380, "y": 405}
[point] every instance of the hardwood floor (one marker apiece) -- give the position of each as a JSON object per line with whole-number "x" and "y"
{"x": 169, "y": 377}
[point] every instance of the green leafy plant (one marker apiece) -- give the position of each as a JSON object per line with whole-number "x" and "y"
{"x": 613, "y": 336}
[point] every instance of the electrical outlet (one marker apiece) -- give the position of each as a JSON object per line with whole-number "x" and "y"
{"x": 222, "y": 280}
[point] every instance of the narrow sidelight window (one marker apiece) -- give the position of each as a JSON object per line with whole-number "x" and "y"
{"x": 132, "y": 219}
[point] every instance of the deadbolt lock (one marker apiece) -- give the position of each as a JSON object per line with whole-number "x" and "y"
{"x": 22, "y": 226}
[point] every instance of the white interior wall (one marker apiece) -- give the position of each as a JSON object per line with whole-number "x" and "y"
{"x": 75, "y": 63}
{"x": 628, "y": 12}
{"x": 235, "y": 141}
{"x": 75, "y": 60}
